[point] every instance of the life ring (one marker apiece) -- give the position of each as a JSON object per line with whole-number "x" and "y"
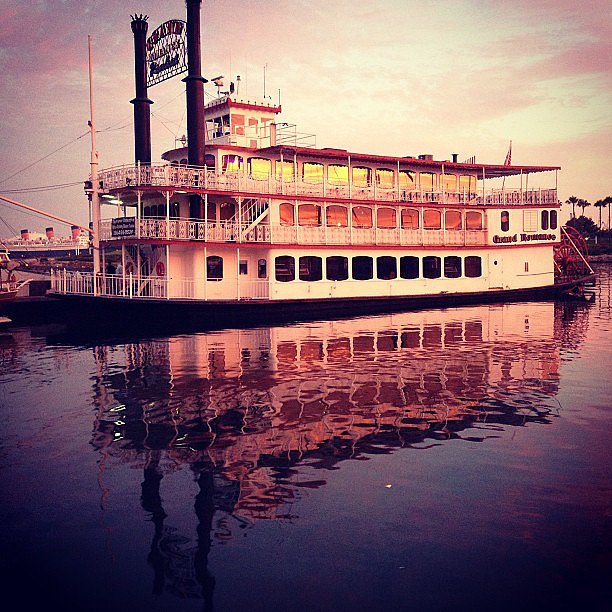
{"x": 160, "y": 268}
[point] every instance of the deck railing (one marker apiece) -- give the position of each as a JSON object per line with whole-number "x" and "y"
{"x": 168, "y": 177}
{"x": 130, "y": 286}
{"x": 243, "y": 233}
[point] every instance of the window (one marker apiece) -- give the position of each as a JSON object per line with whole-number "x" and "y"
{"x": 473, "y": 266}
{"x": 174, "y": 209}
{"x": 312, "y": 172}
{"x": 452, "y": 266}
{"x": 505, "y": 221}
{"x": 336, "y": 216}
{"x": 427, "y": 181}
{"x": 409, "y": 267}
{"x": 227, "y": 211}
{"x": 526, "y": 266}
{"x": 284, "y": 171}
{"x": 386, "y": 218}
{"x": 311, "y": 268}
{"x": 473, "y": 220}
{"x": 285, "y": 211}
{"x": 337, "y": 175}
{"x": 449, "y": 182}
{"x": 209, "y": 161}
{"x": 214, "y": 268}
{"x": 544, "y": 217}
{"x": 386, "y": 267}
{"x": 284, "y": 268}
{"x": 361, "y": 216}
{"x": 243, "y": 266}
{"x": 553, "y": 219}
{"x": 432, "y": 219}
{"x": 407, "y": 180}
{"x": 362, "y": 177}
{"x": 231, "y": 164}
{"x": 363, "y": 268}
{"x": 385, "y": 178}
{"x": 262, "y": 268}
{"x": 452, "y": 220}
{"x": 410, "y": 218}
{"x": 431, "y": 267}
{"x": 309, "y": 215}
{"x": 531, "y": 222}
{"x": 336, "y": 268}
{"x": 259, "y": 168}
{"x": 467, "y": 184}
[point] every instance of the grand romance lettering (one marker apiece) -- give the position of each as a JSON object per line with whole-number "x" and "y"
{"x": 522, "y": 238}
{"x": 166, "y": 51}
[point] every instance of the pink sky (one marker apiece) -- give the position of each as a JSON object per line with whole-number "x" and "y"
{"x": 390, "y": 77}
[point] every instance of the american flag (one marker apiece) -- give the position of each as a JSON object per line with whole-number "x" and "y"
{"x": 508, "y": 159}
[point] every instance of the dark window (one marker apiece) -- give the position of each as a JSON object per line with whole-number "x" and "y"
{"x": 336, "y": 268}
{"x": 209, "y": 161}
{"x": 214, "y": 268}
{"x": 386, "y": 267}
{"x": 174, "y": 209}
{"x": 452, "y": 266}
{"x": 473, "y": 266}
{"x": 285, "y": 268}
{"x": 243, "y": 266}
{"x": 431, "y": 267}
{"x": 262, "y": 269}
{"x": 409, "y": 267}
{"x": 505, "y": 221}
{"x": 544, "y": 219}
{"x": 311, "y": 268}
{"x": 363, "y": 268}
{"x": 553, "y": 219}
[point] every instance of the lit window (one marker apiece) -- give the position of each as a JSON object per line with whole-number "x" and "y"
{"x": 214, "y": 268}
{"x": 427, "y": 181}
{"x": 285, "y": 211}
{"x": 259, "y": 167}
{"x": 467, "y": 184}
{"x": 473, "y": 220}
{"x": 432, "y": 219}
{"x": 452, "y": 266}
{"x": 473, "y": 266}
{"x": 385, "y": 178}
{"x": 452, "y": 220}
{"x": 309, "y": 215}
{"x": 336, "y": 216}
{"x": 362, "y": 177}
{"x": 410, "y": 218}
{"x": 337, "y": 175}
{"x": 284, "y": 268}
{"x": 386, "y": 267}
{"x": 386, "y": 218}
{"x": 361, "y": 216}
{"x": 231, "y": 164}
{"x": 312, "y": 172}
{"x": 407, "y": 180}
{"x": 311, "y": 268}
{"x": 284, "y": 171}
{"x": 409, "y": 267}
{"x": 336, "y": 268}
{"x": 363, "y": 268}
{"x": 449, "y": 182}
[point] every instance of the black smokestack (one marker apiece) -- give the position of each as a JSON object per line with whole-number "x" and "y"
{"x": 196, "y": 127}
{"x": 142, "y": 104}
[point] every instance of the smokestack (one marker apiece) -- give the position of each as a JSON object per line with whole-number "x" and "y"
{"x": 25, "y": 234}
{"x": 75, "y": 231}
{"x": 50, "y": 234}
{"x": 195, "y": 100}
{"x": 142, "y": 104}
{"x": 455, "y": 155}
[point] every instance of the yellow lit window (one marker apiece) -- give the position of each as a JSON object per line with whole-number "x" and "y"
{"x": 362, "y": 177}
{"x": 312, "y": 172}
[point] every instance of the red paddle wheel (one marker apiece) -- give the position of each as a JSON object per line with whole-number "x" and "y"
{"x": 571, "y": 255}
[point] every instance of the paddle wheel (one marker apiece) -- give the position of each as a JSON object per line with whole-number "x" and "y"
{"x": 571, "y": 256}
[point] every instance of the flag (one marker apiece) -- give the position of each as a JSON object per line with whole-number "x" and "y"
{"x": 508, "y": 159}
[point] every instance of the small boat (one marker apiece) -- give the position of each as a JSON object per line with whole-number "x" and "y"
{"x": 9, "y": 285}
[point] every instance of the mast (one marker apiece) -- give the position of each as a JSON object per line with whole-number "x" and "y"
{"x": 95, "y": 200}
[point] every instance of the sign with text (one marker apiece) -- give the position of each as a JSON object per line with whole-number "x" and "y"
{"x": 123, "y": 227}
{"x": 166, "y": 51}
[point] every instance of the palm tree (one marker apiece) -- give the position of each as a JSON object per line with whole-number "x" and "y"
{"x": 582, "y": 203}
{"x": 599, "y": 204}
{"x": 573, "y": 200}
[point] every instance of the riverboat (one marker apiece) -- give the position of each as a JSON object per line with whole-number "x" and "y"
{"x": 249, "y": 218}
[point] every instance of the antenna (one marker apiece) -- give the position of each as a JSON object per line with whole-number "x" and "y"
{"x": 264, "y": 83}
{"x": 218, "y": 81}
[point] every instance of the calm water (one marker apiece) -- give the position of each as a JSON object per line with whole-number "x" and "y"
{"x": 441, "y": 460}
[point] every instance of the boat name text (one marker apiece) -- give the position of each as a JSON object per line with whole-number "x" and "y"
{"x": 522, "y": 238}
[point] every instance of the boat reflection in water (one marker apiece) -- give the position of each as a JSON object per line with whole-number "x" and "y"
{"x": 254, "y": 413}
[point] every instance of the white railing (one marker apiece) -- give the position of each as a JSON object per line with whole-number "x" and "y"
{"x": 153, "y": 287}
{"x": 231, "y": 231}
{"x": 189, "y": 177}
